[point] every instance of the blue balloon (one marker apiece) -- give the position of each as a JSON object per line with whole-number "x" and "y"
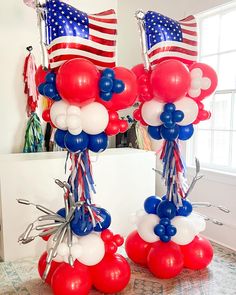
{"x": 118, "y": 86}
{"x": 76, "y": 143}
{"x": 151, "y": 203}
{"x": 165, "y": 238}
{"x": 178, "y": 116}
{"x": 166, "y": 117}
{"x": 106, "y": 96}
{"x": 164, "y": 197}
{"x": 81, "y": 224}
{"x": 51, "y": 78}
{"x": 41, "y": 88}
{"x": 170, "y": 134}
{"x": 109, "y": 73}
{"x": 170, "y": 124}
{"x": 165, "y": 221}
{"x": 166, "y": 209}
{"x": 159, "y": 230}
{"x": 106, "y": 84}
{"x": 169, "y": 107}
{"x": 186, "y": 132}
{"x": 106, "y": 220}
{"x": 56, "y": 97}
{"x": 171, "y": 230}
{"x": 59, "y": 138}
{"x": 98, "y": 143}
{"x": 155, "y": 132}
{"x": 186, "y": 209}
{"x": 62, "y": 212}
{"x": 50, "y": 90}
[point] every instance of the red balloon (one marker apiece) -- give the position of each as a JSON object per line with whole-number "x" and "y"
{"x": 126, "y": 98}
{"x": 137, "y": 249}
{"x": 111, "y": 247}
{"x": 46, "y": 115}
{"x": 113, "y": 116}
{"x": 197, "y": 254}
{"x": 170, "y": 80}
{"x": 113, "y": 128}
{"x": 111, "y": 275}
{"x": 119, "y": 240}
{"x": 138, "y": 70}
{"x": 137, "y": 115}
{"x": 107, "y": 235}
{"x": 40, "y": 75}
{"x": 68, "y": 280}
{"x": 207, "y": 72}
{"x": 42, "y": 266}
{"x": 165, "y": 260}
{"x": 124, "y": 126}
{"x": 77, "y": 81}
{"x": 204, "y": 115}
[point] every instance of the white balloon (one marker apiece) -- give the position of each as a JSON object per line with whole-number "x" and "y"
{"x": 93, "y": 249}
{"x": 194, "y": 92}
{"x": 63, "y": 249}
{"x": 94, "y": 117}
{"x": 60, "y": 122}
{"x": 76, "y": 251}
{"x": 185, "y": 230}
{"x": 73, "y": 121}
{"x": 196, "y": 73}
{"x": 206, "y": 83}
{"x": 58, "y": 108}
{"x": 198, "y": 222}
{"x": 190, "y": 109}
{"x": 151, "y": 111}
{"x": 146, "y": 226}
{"x": 74, "y": 110}
{"x": 196, "y": 83}
{"x": 75, "y": 131}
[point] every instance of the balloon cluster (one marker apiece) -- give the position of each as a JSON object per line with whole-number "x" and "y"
{"x": 163, "y": 234}
{"x": 81, "y": 112}
{"x": 176, "y": 93}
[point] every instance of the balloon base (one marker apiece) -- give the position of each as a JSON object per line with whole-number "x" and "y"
{"x": 167, "y": 260}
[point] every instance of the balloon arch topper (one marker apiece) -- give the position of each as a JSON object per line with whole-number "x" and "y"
{"x": 86, "y": 90}
{"x": 171, "y": 90}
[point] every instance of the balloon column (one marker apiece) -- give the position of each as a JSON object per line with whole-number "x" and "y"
{"x": 81, "y": 250}
{"x": 170, "y": 95}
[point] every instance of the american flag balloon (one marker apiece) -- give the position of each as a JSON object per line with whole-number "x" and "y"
{"x": 167, "y": 38}
{"x": 72, "y": 33}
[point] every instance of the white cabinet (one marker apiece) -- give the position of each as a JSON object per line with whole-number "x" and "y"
{"x": 123, "y": 177}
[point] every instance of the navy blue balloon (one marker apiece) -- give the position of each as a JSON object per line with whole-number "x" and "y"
{"x": 151, "y": 203}
{"x": 164, "y": 197}
{"x": 50, "y": 90}
{"x": 186, "y": 209}
{"x": 159, "y": 230}
{"x": 106, "y": 84}
{"x": 81, "y": 224}
{"x": 155, "y": 132}
{"x": 62, "y": 212}
{"x": 166, "y": 117}
{"x": 118, "y": 86}
{"x": 166, "y": 209}
{"x": 178, "y": 116}
{"x": 186, "y": 132}
{"x": 106, "y": 220}
{"x": 98, "y": 143}
{"x": 109, "y": 73}
{"x": 165, "y": 238}
{"x": 51, "y": 78}
{"x": 76, "y": 143}
{"x": 169, "y": 107}
{"x": 170, "y": 134}
{"x": 106, "y": 96}
{"x": 165, "y": 221}
{"x": 170, "y": 124}
{"x": 41, "y": 88}
{"x": 56, "y": 97}
{"x": 171, "y": 230}
{"x": 59, "y": 138}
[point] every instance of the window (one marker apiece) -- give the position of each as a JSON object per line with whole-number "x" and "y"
{"x": 214, "y": 141}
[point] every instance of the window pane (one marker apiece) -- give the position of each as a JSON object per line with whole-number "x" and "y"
{"x": 211, "y": 61}
{"x": 221, "y": 148}
{"x": 203, "y": 146}
{"x": 234, "y": 151}
{"x": 234, "y": 116}
{"x": 221, "y": 111}
{"x": 227, "y": 37}
{"x": 209, "y": 35}
{"x": 227, "y": 71}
